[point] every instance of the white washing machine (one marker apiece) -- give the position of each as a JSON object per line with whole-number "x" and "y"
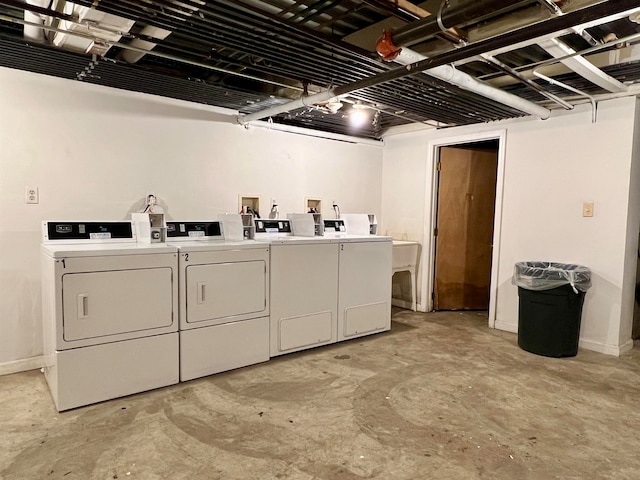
{"x": 365, "y": 274}
{"x": 325, "y": 289}
{"x": 110, "y": 321}
{"x": 364, "y": 295}
{"x": 304, "y": 293}
{"x": 223, "y": 297}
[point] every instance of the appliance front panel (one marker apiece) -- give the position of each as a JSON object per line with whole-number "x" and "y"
{"x": 218, "y": 348}
{"x": 364, "y": 300}
{"x": 222, "y": 292}
{"x": 98, "y": 305}
{"x": 304, "y": 296}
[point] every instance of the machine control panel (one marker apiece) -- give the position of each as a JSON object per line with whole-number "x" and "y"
{"x": 64, "y": 231}
{"x": 331, "y": 226}
{"x": 195, "y": 230}
{"x": 272, "y": 226}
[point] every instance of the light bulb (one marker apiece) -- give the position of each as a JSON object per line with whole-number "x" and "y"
{"x": 358, "y": 117}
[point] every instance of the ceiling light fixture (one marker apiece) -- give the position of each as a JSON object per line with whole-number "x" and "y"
{"x": 359, "y": 115}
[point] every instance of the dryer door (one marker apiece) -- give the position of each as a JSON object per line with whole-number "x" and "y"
{"x": 226, "y": 292}
{"x": 116, "y": 302}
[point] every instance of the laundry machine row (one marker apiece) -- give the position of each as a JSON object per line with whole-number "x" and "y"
{"x": 325, "y": 289}
{"x": 121, "y": 317}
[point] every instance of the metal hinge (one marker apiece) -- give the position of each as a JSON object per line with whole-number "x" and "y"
{"x": 435, "y": 232}
{"x": 439, "y": 166}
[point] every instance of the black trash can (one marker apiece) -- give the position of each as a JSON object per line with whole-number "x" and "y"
{"x": 551, "y": 296}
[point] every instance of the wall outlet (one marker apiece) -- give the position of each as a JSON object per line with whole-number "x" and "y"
{"x": 587, "y": 209}
{"x": 31, "y": 195}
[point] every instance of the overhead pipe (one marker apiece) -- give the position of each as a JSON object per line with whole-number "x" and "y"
{"x": 30, "y": 32}
{"x": 447, "y": 17}
{"x": 552, "y": 6}
{"x": 281, "y": 127}
{"x": 450, "y": 74}
{"x": 211, "y": 24}
{"x": 588, "y": 14}
{"x": 149, "y": 52}
{"x": 389, "y": 49}
{"x": 530, "y": 83}
{"x": 594, "y": 104}
{"x": 578, "y": 64}
{"x": 587, "y": 51}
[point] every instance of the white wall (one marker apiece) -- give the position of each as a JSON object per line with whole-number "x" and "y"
{"x": 94, "y": 152}
{"x": 630, "y": 278}
{"x": 551, "y": 167}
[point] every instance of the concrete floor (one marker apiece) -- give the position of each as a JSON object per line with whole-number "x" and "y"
{"x": 440, "y": 396}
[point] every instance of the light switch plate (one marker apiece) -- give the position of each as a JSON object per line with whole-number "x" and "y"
{"x": 587, "y": 209}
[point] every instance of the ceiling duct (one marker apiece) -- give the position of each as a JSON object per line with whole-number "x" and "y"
{"x": 78, "y": 28}
{"x": 132, "y": 56}
{"x": 149, "y": 31}
{"x": 105, "y": 27}
{"x": 33, "y": 33}
{"x": 445, "y": 73}
{"x": 601, "y": 12}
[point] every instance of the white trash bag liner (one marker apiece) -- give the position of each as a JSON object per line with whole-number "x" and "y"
{"x": 548, "y": 275}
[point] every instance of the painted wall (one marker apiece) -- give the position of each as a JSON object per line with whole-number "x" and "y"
{"x": 550, "y": 168}
{"x": 94, "y": 152}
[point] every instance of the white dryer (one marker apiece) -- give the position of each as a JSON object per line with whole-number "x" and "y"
{"x": 223, "y": 297}
{"x": 109, "y": 312}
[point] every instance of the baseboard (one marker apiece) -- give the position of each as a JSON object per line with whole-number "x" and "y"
{"x": 506, "y": 326}
{"x": 615, "y": 350}
{"x": 396, "y": 302}
{"x": 586, "y": 344}
{"x": 22, "y": 365}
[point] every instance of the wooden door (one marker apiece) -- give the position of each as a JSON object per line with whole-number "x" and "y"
{"x": 466, "y": 205}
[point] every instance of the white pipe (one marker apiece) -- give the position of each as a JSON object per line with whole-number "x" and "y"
{"x": 287, "y": 107}
{"x": 31, "y": 32}
{"x": 149, "y": 31}
{"x": 314, "y": 133}
{"x": 449, "y": 74}
{"x": 594, "y": 104}
{"x": 446, "y": 73}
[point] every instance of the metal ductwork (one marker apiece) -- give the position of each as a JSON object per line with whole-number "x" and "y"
{"x": 610, "y": 10}
{"x": 446, "y": 73}
{"x": 256, "y": 54}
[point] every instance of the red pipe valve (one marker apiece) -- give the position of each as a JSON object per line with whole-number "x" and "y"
{"x": 386, "y": 48}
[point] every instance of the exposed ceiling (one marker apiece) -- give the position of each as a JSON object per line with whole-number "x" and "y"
{"x": 313, "y": 63}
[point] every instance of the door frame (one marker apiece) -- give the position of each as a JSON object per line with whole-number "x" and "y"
{"x": 430, "y": 213}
